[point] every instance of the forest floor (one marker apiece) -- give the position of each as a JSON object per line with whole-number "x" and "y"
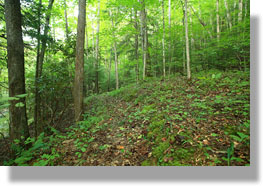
{"x": 177, "y": 122}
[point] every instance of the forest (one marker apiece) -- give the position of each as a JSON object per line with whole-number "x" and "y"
{"x": 125, "y": 82}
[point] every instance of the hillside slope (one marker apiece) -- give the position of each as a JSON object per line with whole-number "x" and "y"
{"x": 171, "y": 122}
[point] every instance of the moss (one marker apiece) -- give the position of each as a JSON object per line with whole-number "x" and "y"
{"x": 148, "y": 109}
{"x": 159, "y": 150}
{"x": 150, "y": 135}
{"x": 146, "y": 163}
{"x": 157, "y": 124}
{"x": 130, "y": 94}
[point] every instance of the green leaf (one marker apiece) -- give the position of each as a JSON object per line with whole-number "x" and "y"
{"x": 91, "y": 139}
{"x": 236, "y": 138}
{"x": 21, "y": 95}
{"x": 83, "y": 149}
{"x": 242, "y": 135}
{"x": 20, "y": 104}
{"x": 214, "y": 134}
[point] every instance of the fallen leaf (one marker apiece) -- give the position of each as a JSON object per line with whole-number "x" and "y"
{"x": 164, "y": 139}
{"x": 120, "y": 147}
{"x": 205, "y": 142}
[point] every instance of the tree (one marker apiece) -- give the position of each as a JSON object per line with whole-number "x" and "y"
{"x": 39, "y": 67}
{"x": 16, "y": 70}
{"x": 163, "y": 40}
{"x": 187, "y": 44}
{"x": 228, "y": 15}
{"x": 144, "y": 37}
{"x": 240, "y": 10}
{"x": 136, "y": 45}
{"x": 79, "y": 66}
{"x": 115, "y": 52}
{"x": 217, "y": 21}
{"x": 97, "y": 51}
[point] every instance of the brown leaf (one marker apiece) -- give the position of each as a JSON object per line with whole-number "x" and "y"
{"x": 120, "y": 147}
{"x": 205, "y": 142}
{"x": 164, "y": 139}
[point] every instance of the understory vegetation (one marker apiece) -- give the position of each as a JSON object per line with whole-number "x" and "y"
{"x": 203, "y": 122}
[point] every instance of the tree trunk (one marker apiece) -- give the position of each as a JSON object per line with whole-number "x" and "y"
{"x": 187, "y": 44}
{"x": 143, "y": 35}
{"x": 97, "y": 51}
{"x": 217, "y": 21}
{"x": 66, "y": 18}
{"x": 40, "y": 59}
{"x": 228, "y": 15}
{"x": 109, "y": 75}
{"x": 163, "y": 41}
{"x": 18, "y": 127}
{"x": 37, "y": 95}
{"x": 93, "y": 41}
{"x": 79, "y": 68}
{"x": 44, "y": 40}
{"x": 115, "y": 54}
{"x": 246, "y": 8}
{"x": 240, "y": 10}
{"x": 170, "y": 37}
{"x": 136, "y": 46}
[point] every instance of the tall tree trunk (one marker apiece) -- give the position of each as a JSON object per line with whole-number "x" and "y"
{"x": 66, "y": 19}
{"x": 109, "y": 75}
{"x": 191, "y": 33}
{"x": 39, "y": 126}
{"x": 246, "y": 8}
{"x": 87, "y": 42}
{"x": 228, "y": 15}
{"x": 163, "y": 41}
{"x": 97, "y": 51}
{"x": 170, "y": 37}
{"x": 79, "y": 67}
{"x": 44, "y": 40}
{"x": 187, "y": 44}
{"x": 143, "y": 35}
{"x": 37, "y": 95}
{"x": 93, "y": 41}
{"x": 240, "y": 13}
{"x": 115, "y": 53}
{"x": 18, "y": 127}
{"x": 217, "y": 21}
{"x": 136, "y": 46}
{"x": 116, "y": 66}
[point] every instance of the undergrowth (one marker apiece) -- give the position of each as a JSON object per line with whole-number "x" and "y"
{"x": 204, "y": 121}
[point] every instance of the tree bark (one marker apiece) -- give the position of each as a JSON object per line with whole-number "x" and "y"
{"x": 240, "y": 13}
{"x": 136, "y": 46}
{"x": 115, "y": 53}
{"x": 37, "y": 95}
{"x": 217, "y": 21}
{"x": 79, "y": 67}
{"x": 187, "y": 44}
{"x": 97, "y": 51}
{"x": 18, "y": 127}
{"x": 170, "y": 37}
{"x": 39, "y": 65}
{"x": 228, "y": 15}
{"x": 44, "y": 40}
{"x": 163, "y": 41}
{"x": 109, "y": 75}
{"x": 144, "y": 37}
{"x": 66, "y": 18}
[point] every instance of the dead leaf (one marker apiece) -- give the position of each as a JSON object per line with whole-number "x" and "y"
{"x": 164, "y": 139}
{"x": 120, "y": 147}
{"x": 205, "y": 142}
